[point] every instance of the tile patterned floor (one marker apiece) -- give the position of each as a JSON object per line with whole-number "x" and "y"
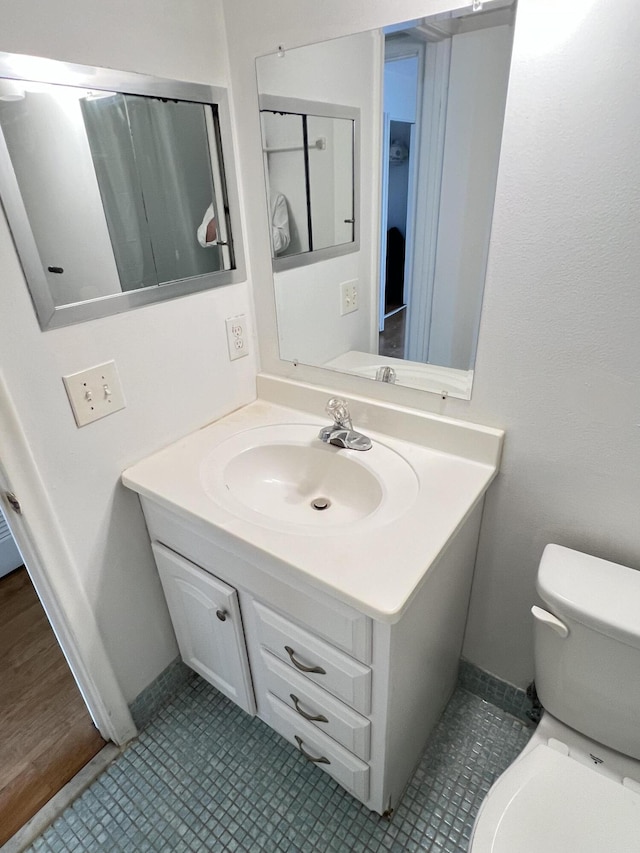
{"x": 206, "y": 777}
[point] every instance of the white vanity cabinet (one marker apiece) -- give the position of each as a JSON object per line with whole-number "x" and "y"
{"x": 344, "y": 627}
{"x": 356, "y": 696}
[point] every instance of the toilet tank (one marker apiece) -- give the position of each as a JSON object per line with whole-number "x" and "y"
{"x": 588, "y": 659}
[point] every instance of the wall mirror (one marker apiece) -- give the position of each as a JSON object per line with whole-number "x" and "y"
{"x": 115, "y": 187}
{"x": 310, "y": 151}
{"x": 432, "y": 95}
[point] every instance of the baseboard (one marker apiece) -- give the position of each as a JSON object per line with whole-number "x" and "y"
{"x": 511, "y": 699}
{"x": 154, "y": 697}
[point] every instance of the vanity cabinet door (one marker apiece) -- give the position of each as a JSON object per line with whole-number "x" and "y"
{"x": 206, "y": 618}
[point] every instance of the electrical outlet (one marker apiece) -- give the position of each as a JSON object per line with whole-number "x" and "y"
{"x": 94, "y": 393}
{"x": 237, "y": 338}
{"x": 348, "y": 296}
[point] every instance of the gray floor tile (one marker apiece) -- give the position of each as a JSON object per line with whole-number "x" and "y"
{"x": 204, "y": 776}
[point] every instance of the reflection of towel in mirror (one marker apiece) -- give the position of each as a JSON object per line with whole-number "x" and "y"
{"x": 279, "y": 224}
{"x": 280, "y": 236}
{"x": 202, "y": 229}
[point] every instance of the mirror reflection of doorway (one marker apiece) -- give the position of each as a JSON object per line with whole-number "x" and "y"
{"x": 46, "y": 732}
{"x": 398, "y": 180}
{"x": 446, "y": 79}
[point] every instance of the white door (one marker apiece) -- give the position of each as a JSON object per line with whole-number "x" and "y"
{"x": 206, "y": 618}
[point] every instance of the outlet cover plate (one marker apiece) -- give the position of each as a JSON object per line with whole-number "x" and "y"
{"x": 237, "y": 338}
{"x": 94, "y": 393}
{"x": 348, "y": 297}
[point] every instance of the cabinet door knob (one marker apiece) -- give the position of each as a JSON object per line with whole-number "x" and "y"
{"x": 301, "y": 666}
{"x": 222, "y": 615}
{"x": 318, "y": 718}
{"x": 321, "y": 760}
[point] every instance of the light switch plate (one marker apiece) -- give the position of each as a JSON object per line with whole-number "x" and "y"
{"x": 94, "y": 393}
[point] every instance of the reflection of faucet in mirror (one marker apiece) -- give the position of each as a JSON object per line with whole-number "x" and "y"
{"x": 341, "y": 432}
{"x": 385, "y": 374}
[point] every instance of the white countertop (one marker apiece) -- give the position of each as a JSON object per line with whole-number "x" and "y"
{"x": 373, "y": 565}
{"x": 446, "y": 381}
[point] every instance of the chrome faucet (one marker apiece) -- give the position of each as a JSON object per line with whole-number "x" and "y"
{"x": 341, "y": 432}
{"x": 385, "y": 373}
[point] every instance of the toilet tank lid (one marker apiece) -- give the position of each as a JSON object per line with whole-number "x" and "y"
{"x": 601, "y": 595}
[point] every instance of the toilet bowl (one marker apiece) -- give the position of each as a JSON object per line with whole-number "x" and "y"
{"x": 575, "y": 788}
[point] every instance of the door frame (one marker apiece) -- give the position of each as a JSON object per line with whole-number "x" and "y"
{"x": 49, "y": 564}
{"x": 393, "y": 53}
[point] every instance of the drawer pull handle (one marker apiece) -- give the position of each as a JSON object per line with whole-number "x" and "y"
{"x": 321, "y": 760}
{"x": 319, "y": 718}
{"x": 222, "y": 615}
{"x": 318, "y": 669}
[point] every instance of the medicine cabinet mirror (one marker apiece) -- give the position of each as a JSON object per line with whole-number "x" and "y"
{"x": 431, "y": 95}
{"x": 119, "y": 188}
{"x": 310, "y": 155}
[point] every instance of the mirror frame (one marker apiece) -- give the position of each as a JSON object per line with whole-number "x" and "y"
{"x": 300, "y": 106}
{"x": 37, "y": 69}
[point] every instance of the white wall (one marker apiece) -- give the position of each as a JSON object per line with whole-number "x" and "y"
{"x": 172, "y": 357}
{"x": 559, "y": 348}
{"x": 316, "y": 295}
{"x": 401, "y": 88}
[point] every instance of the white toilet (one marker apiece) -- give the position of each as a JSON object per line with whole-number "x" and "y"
{"x": 575, "y": 788}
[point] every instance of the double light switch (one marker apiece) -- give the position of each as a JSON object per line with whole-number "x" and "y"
{"x": 94, "y": 393}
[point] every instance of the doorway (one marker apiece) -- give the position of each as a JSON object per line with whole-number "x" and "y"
{"x": 398, "y": 195}
{"x": 46, "y": 732}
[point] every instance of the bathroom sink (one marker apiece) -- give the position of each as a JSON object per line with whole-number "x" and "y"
{"x": 284, "y": 475}
{"x": 257, "y": 480}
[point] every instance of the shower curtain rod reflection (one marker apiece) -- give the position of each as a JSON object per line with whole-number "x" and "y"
{"x": 320, "y": 143}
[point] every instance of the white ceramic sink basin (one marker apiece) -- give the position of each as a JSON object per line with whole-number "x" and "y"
{"x": 284, "y": 475}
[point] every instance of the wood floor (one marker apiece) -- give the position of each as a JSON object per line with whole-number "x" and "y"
{"x": 46, "y": 733}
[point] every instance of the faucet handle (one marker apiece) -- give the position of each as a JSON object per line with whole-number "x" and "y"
{"x": 339, "y": 411}
{"x": 385, "y": 374}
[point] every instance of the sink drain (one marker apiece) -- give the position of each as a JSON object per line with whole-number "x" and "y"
{"x": 320, "y": 503}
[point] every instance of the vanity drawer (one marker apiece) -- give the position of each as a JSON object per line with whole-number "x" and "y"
{"x": 339, "y": 623}
{"x": 338, "y": 720}
{"x": 349, "y": 771}
{"x": 323, "y": 664}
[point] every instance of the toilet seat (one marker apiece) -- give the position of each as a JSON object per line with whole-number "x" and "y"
{"x": 548, "y": 801}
